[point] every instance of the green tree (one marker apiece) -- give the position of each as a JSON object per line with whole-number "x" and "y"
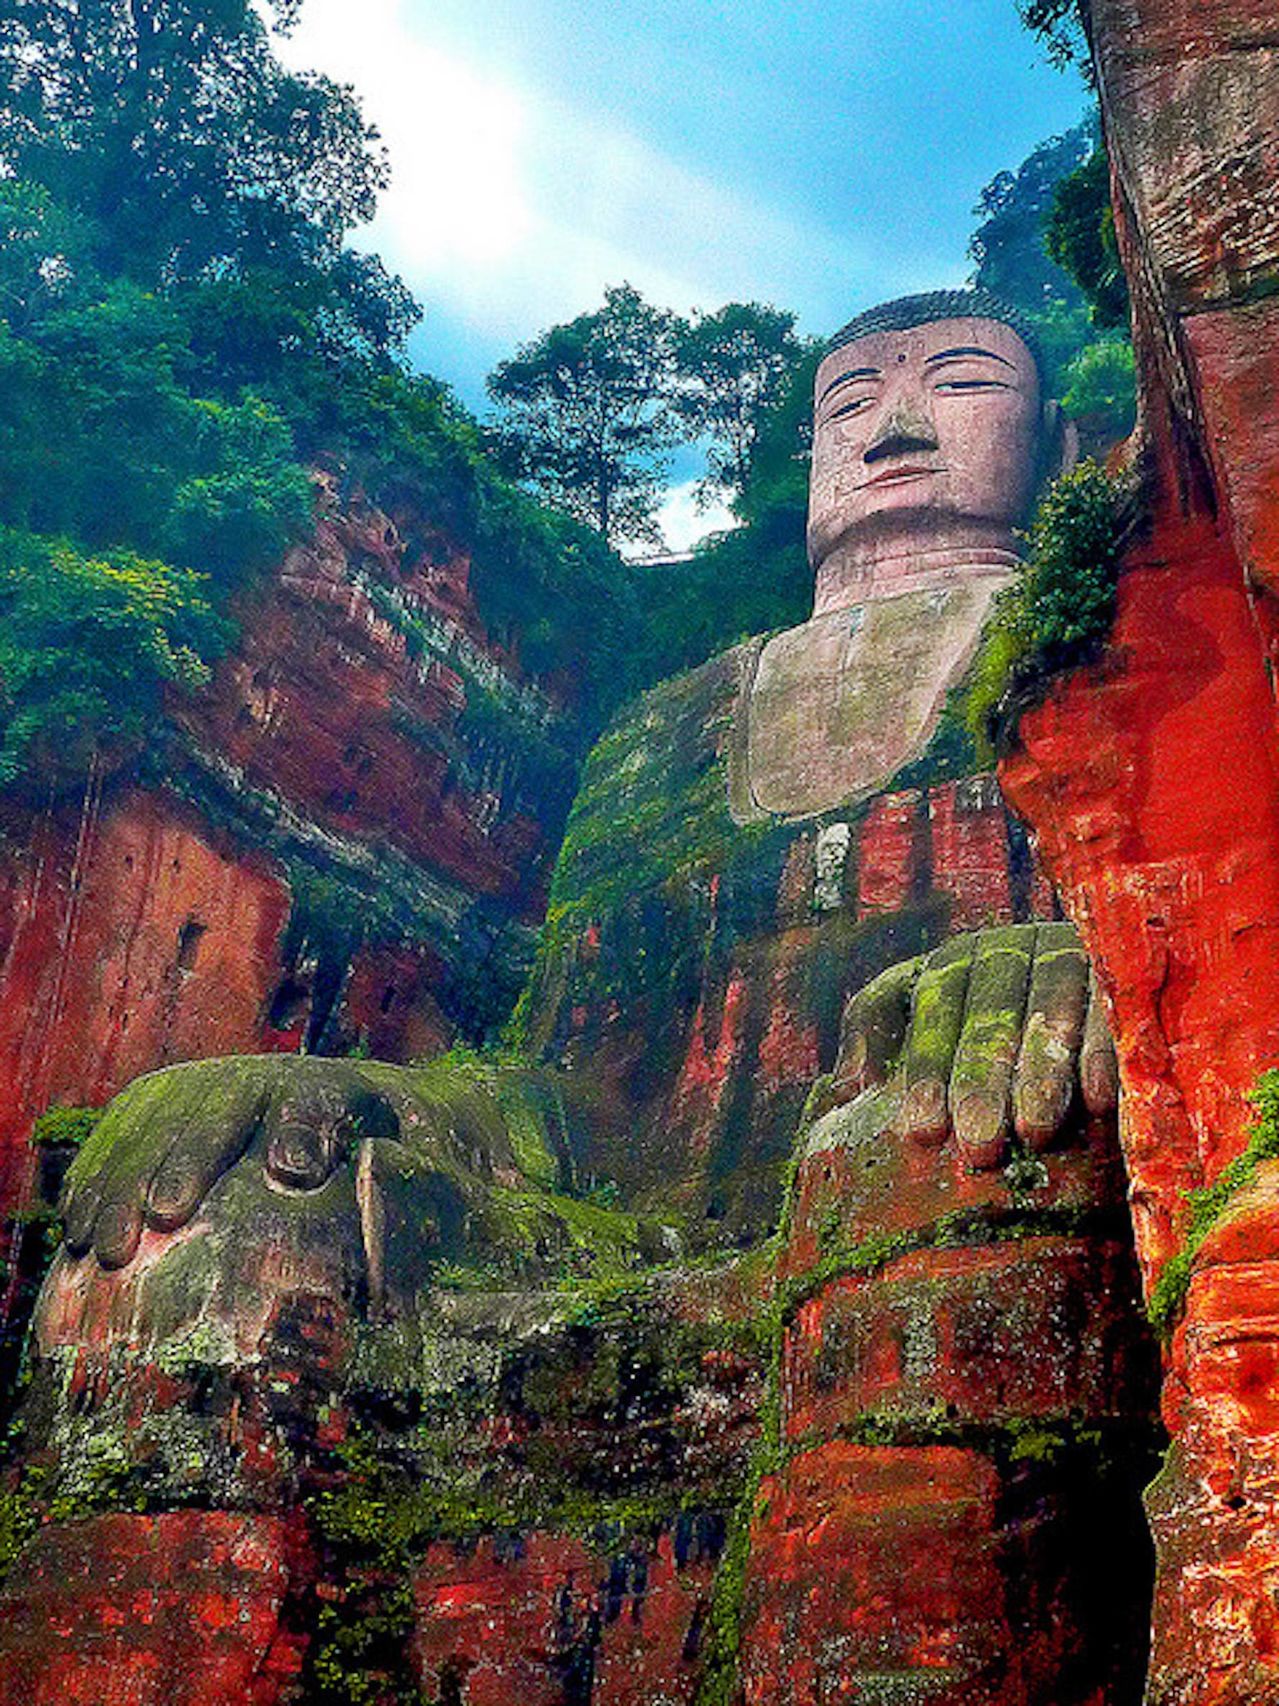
{"x": 1046, "y": 243}
{"x": 587, "y": 414}
{"x": 86, "y": 646}
{"x": 1007, "y": 248}
{"x": 1059, "y": 26}
{"x": 733, "y": 365}
{"x": 171, "y": 130}
{"x": 1079, "y": 234}
{"x": 756, "y": 576}
{"x": 100, "y": 441}
{"x": 1101, "y": 391}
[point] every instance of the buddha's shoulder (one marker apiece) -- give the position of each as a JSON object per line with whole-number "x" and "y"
{"x": 654, "y": 801}
{"x": 679, "y": 727}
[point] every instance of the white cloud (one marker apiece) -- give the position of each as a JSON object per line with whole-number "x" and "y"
{"x": 683, "y": 524}
{"x": 511, "y": 210}
{"x": 456, "y": 136}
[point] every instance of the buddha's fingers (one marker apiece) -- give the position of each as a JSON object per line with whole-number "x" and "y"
{"x": 874, "y": 1029}
{"x": 981, "y": 1082}
{"x": 79, "y": 1212}
{"x": 209, "y": 1140}
{"x": 1098, "y": 1062}
{"x": 87, "y": 1178}
{"x": 186, "y": 1127}
{"x": 1044, "y": 1085}
{"x": 109, "y": 1184}
{"x": 312, "y": 1124}
{"x": 936, "y": 1022}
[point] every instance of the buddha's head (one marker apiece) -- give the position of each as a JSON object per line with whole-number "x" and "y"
{"x": 930, "y": 434}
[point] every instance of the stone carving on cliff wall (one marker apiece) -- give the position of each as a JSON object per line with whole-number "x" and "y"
{"x": 347, "y": 1298}
{"x": 930, "y": 432}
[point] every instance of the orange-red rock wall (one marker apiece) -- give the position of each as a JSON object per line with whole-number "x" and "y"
{"x": 1152, "y": 783}
{"x": 204, "y": 1595}
{"x": 128, "y": 939}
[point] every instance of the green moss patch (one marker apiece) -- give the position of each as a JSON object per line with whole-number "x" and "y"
{"x": 1207, "y": 1206}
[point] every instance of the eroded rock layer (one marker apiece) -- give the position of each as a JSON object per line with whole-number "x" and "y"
{"x": 343, "y": 841}
{"x": 1152, "y": 782}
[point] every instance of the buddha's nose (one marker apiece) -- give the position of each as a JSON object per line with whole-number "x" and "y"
{"x": 904, "y": 428}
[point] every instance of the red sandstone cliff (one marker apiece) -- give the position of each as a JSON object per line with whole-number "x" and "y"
{"x": 342, "y": 839}
{"x": 1152, "y": 781}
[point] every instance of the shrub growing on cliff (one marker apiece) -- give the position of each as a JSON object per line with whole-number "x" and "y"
{"x": 1206, "y": 1207}
{"x": 86, "y": 645}
{"x": 61, "y": 1126}
{"x": 1066, "y": 593}
{"x": 1101, "y": 389}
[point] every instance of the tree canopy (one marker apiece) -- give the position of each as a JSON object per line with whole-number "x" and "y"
{"x": 588, "y": 413}
{"x": 183, "y": 330}
{"x": 1080, "y": 237}
{"x": 186, "y": 153}
{"x": 590, "y": 410}
{"x": 1046, "y": 243}
{"x": 732, "y": 369}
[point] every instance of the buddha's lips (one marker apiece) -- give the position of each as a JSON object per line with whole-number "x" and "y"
{"x": 892, "y": 476}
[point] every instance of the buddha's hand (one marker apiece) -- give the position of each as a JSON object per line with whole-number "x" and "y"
{"x": 166, "y": 1140}
{"x": 996, "y": 1033}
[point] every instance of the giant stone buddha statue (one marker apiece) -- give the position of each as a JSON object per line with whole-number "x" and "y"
{"x": 930, "y": 434}
{"x": 255, "y": 1247}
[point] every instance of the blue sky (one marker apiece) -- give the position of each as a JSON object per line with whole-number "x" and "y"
{"x": 816, "y": 154}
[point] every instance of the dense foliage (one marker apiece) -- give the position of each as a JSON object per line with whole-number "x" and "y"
{"x": 188, "y": 154}
{"x": 1080, "y": 237}
{"x": 733, "y": 368}
{"x": 85, "y": 643}
{"x": 1046, "y": 244}
{"x": 589, "y": 411}
{"x": 183, "y": 328}
{"x": 1066, "y": 592}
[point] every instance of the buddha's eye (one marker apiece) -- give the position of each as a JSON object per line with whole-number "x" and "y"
{"x": 953, "y": 385}
{"x": 853, "y": 406}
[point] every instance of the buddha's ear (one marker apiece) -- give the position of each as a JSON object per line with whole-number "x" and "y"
{"x": 1061, "y": 443}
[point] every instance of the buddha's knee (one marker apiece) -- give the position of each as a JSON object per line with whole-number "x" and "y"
{"x": 967, "y": 1379}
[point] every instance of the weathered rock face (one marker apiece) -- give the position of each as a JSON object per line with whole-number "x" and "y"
{"x": 345, "y": 838}
{"x": 435, "y": 1391}
{"x": 952, "y": 1511}
{"x": 206, "y": 1595}
{"x": 1152, "y": 782}
{"x": 131, "y": 937}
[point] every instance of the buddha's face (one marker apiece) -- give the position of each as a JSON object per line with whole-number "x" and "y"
{"x": 923, "y": 439}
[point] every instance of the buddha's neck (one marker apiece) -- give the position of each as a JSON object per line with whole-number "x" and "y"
{"x": 856, "y": 575}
